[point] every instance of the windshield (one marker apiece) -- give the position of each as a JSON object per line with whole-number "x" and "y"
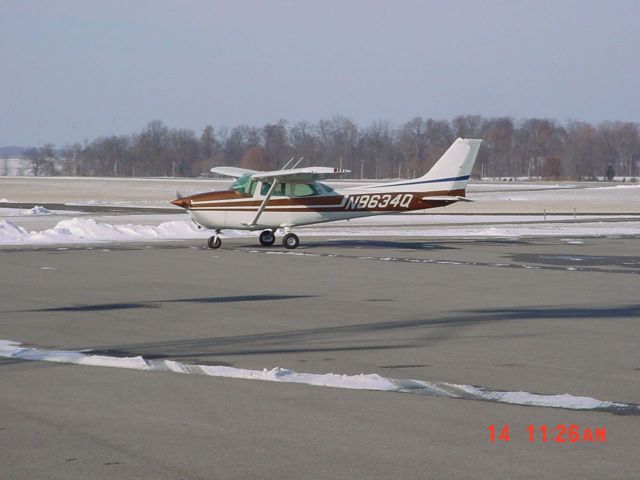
{"x": 244, "y": 184}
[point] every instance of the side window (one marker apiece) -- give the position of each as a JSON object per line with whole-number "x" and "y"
{"x": 278, "y": 192}
{"x": 252, "y": 187}
{"x": 304, "y": 190}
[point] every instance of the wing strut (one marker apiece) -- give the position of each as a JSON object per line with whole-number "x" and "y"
{"x": 264, "y": 203}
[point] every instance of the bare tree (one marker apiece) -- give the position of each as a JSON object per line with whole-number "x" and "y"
{"x": 412, "y": 144}
{"x": 499, "y": 136}
{"x": 276, "y": 144}
{"x": 208, "y": 142}
{"x": 42, "y": 160}
{"x": 580, "y": 150}
{"x": 255, "y": 159}
{"x": 303, "y": 142}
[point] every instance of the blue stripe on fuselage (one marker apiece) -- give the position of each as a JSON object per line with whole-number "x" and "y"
{"x": 450, "y": 179}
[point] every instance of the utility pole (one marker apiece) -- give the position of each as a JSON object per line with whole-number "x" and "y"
{"x": 74, "y": 162}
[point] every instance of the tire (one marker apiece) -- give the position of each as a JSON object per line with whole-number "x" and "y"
{"x": 267, "y": 238}
{"x": 290, "y": 241}
{"x": 214, "y": 242}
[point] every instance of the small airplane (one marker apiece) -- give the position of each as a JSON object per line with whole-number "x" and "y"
{"x": 291, "y": 197}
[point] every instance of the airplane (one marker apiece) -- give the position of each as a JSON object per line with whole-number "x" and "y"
{"x": 292, "y": 197}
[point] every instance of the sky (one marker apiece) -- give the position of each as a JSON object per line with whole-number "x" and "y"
{"x": 76, "y": 70}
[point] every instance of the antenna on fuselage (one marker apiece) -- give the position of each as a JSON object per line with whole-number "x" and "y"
{"x": 287, "y": 164}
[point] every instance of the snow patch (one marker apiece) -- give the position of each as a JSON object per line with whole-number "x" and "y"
{"x": 38, "y": 210}
{"x": 12, "y": 349}
{"x": 616, "y": 187}
{"x": 525, "y": 398}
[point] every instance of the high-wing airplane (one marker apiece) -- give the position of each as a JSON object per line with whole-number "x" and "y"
{"x": 288, "y": 198}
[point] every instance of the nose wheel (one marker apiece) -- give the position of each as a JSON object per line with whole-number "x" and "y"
{"x": 214, "y": 242}
{"x": 290, "y": 241}
{"x": 267, "y": 238}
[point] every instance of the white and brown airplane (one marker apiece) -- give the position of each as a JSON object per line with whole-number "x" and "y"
{"x": 288, "y": 198}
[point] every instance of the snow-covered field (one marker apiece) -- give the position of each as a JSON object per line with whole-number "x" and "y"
{"x": 500, "y": 210}
{"x": 496, "y": 197}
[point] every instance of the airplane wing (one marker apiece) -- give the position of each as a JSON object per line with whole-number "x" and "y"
{"x": 307, "y": 174}
{"x": 234, "y": 172}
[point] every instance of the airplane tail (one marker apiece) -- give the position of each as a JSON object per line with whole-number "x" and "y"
{"x": 453, "y": 169}
{"x": 450, "y": 173}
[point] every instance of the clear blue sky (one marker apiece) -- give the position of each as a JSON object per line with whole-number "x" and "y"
{"x": 74, "y": 70}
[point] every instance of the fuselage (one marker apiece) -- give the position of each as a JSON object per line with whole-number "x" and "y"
{"x": 295, "y": 204}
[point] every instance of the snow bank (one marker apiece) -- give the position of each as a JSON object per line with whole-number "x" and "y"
{"x": 550, "y": 229}
{"x": 11, "y": 234}
{"x": 86, "y": 230}
{"x": 12, "y": 349}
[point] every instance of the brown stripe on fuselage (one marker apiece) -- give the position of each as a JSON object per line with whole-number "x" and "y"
{"x": 218, "y": 195}
{"x": 329, "y": 203}
{"x": 311, "y": 201}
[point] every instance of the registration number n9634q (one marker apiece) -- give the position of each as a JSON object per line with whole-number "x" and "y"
{"x": 369, "y": 202}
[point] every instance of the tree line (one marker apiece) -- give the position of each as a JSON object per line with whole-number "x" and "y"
{"x": 542, "y": 148}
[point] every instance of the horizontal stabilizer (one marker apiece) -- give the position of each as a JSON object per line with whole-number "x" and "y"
{"x": 448, "y": 198}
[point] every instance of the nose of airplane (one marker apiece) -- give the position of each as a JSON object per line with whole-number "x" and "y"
{"x": 181, "y": 202}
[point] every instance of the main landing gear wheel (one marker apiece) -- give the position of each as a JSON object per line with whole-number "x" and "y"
{"x": 267, "y": 238}
{"x": 290, "y": 241}
{"x": 214, "y": 242}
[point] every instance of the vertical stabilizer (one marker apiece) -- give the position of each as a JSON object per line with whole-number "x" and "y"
{"x": 457, "y": 162}
{"x": 450, "y": 173}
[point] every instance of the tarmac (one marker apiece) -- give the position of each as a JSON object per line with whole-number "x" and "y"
{"x": 548, "y": 315}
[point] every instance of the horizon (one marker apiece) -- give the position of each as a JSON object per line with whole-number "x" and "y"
{"x": 361, "y": 127}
